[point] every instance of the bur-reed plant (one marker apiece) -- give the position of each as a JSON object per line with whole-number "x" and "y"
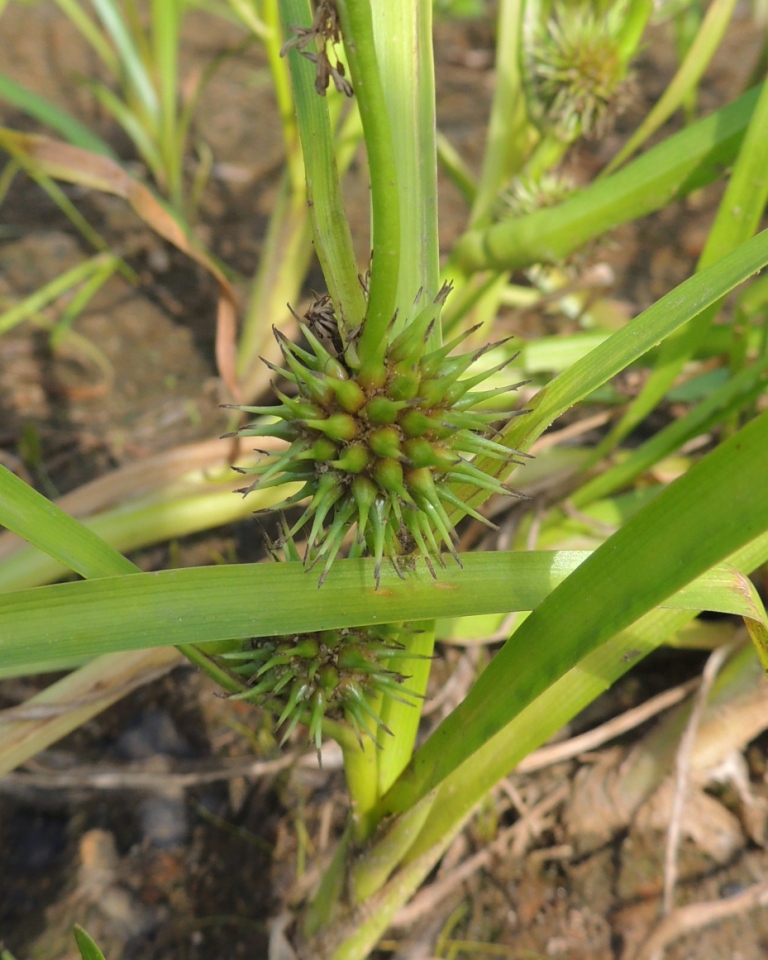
{"x": 391, "y": 436}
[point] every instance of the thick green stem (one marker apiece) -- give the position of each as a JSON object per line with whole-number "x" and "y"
{"x": 333, "y": 239}
{"x": 674, "y": 168}
{"x": 360, "y": 767}
{"x": 507, "y": 142}
{"x": 359, "y": 43}
{"x": 403, "y": 718}
{"x": 403, "y": 36}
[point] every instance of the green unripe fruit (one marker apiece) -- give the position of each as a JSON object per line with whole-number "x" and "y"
{"x": 420, "y": 483}
{"x": 382, "y": 410}
{"x": 333, "y": 368}
{"x": 330, "y": 638}
{"x": 322, "y": 450}
{"x": 432, "y": 392}
{"x": 318, "y": 390}
{"x": 349, "y": 395}
{"x": 354, "y": 459}
{"x": 308, "y": 649}
{"x": 385, "y": 442}
{"x": 299, "y": 409}
{"x": 414, "y": 423}
{"x": 351, "y": 658}
{"x": 389, "y": 475}
{"x": 365, "y": 492}
{"x": 328, "y": 678}
{"x": 339, "y": 426}
{"x": 376, "y": 442}
{"x": 420, "y": 452}
{"x": 404, "y": 387}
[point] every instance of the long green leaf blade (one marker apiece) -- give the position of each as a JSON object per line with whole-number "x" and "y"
{"x": 204, "y": 604}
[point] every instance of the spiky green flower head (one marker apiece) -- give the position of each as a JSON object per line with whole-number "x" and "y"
{"x": 333, "y": 673}
{"x": 524, "y": 194}
{"x": 577, "y": 68}
{"x": 383, "y": 457}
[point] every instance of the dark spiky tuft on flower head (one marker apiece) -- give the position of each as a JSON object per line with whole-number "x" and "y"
{"x": 333, "y": 673}
{"x": 386, "y": 459}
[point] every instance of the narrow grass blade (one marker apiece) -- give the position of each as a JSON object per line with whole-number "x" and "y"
{"x": 731, "y": 398}
{"x": 143, "y": 141}
{"x": 697, "y": 59}
{"x": 91, "y": 32}
{"x": 140, "y": 523}
{"x": 561, "y": 702}
{"x": 52, "y": 116}
{"x": 627, "y": 345}
{"x": 36, "y": 171}
{"x": 72, "y": 701}
{"x": 55, "y": 288}
{"x": 166, "y": 24}
{"x": 88, "y": 289}
{"x": 131, "y": 62}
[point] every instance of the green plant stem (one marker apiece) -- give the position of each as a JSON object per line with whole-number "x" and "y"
{"x": 403, "y": 37}
{"x": 357, "y": 24}
{"x": 166, "y": 25}
{"x": 682, "y": 163}
{"x": 355, "y": 939}
{"x": 631, "y": 33}
{"x": 548, "y": 152}
{"x": 454, "y": 165}
{"x": 320, "y": 911}
{"x": 507, "y": 140}
{"x": 403, "y": 718}
{"x": 376, "y": 865}
{"x": 360, "y": 764}
{"x": 333, "y": 240}
{"x": 282, "y": 85}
